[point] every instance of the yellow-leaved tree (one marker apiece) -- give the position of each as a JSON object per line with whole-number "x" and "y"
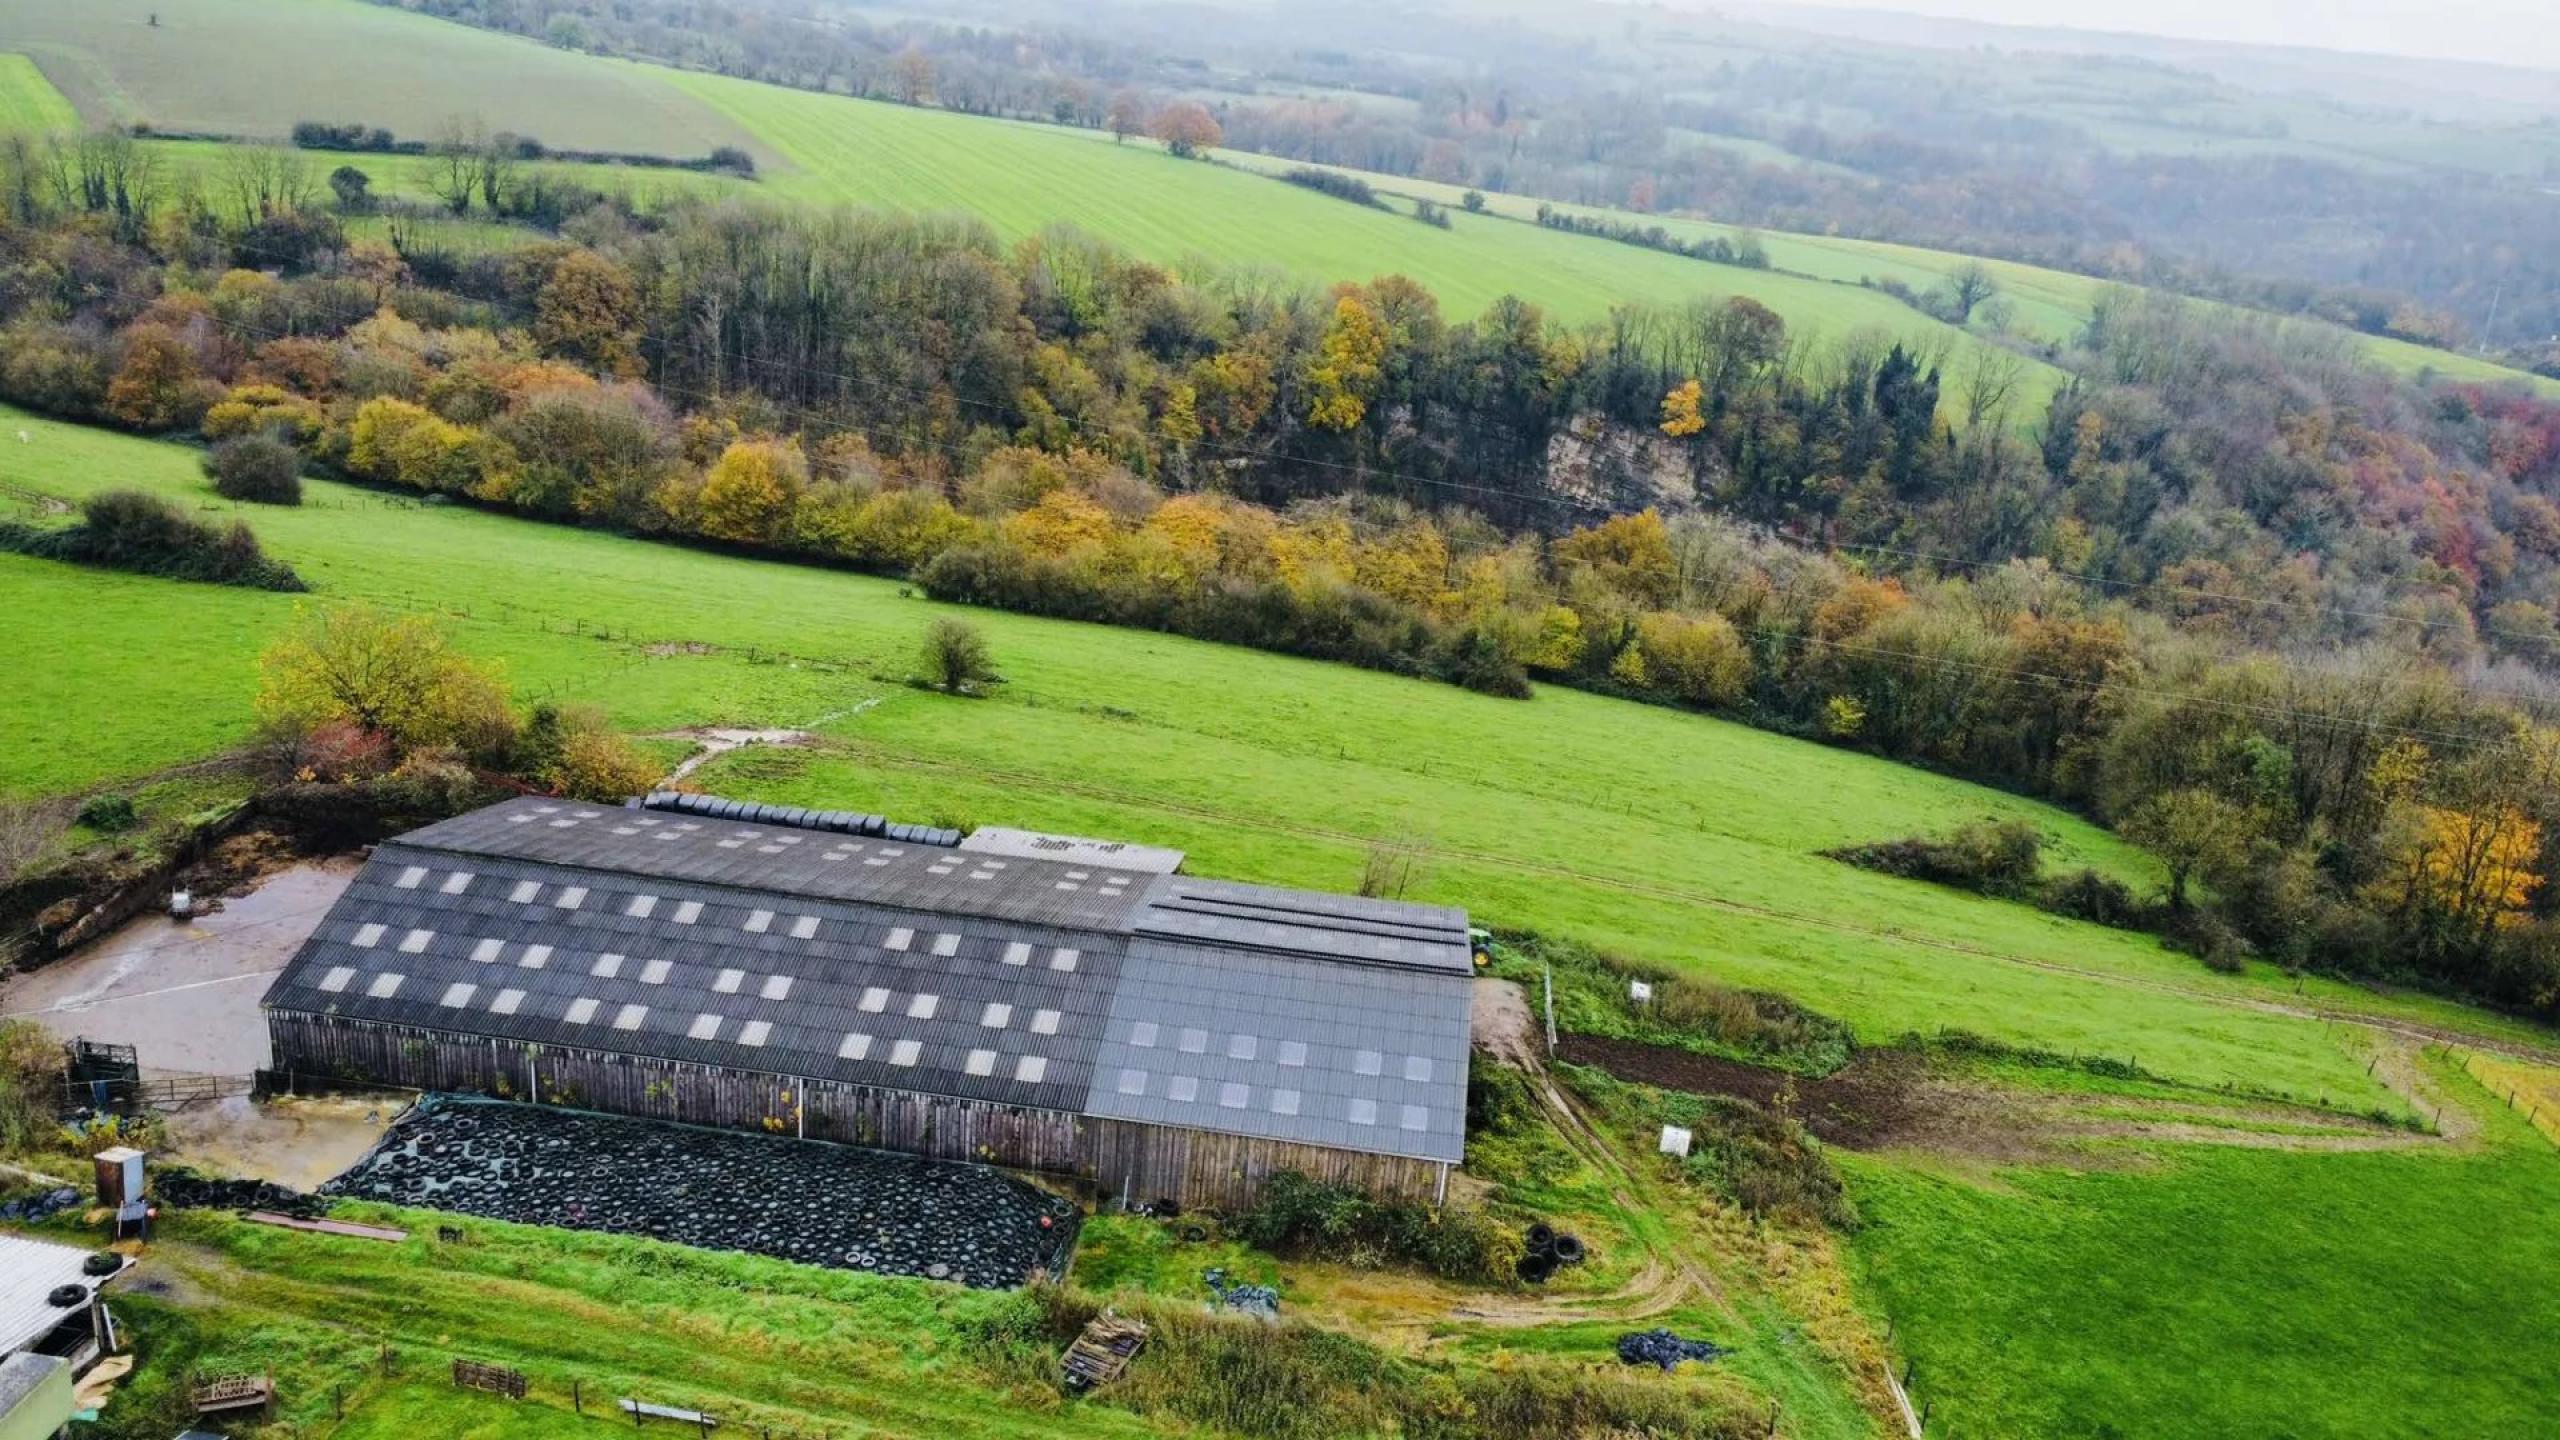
{"x": 1682, "y": 410}
{"x": 1348, "y": 363}
{"x": 393, "y": 675}
{"x": 749, "y": 491}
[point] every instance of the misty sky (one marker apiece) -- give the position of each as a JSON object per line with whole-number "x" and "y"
{"x": 2513, "y": 32}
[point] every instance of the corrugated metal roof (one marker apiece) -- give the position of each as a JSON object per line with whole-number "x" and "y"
{"x": 29, "y": 1271}
{"x": 1325, "y": 1019}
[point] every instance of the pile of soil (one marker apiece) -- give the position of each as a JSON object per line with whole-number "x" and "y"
{"x": 721, "y": 1190}
{"x": 1872, "y": 1101}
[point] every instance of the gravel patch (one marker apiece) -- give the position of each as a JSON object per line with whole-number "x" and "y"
{"x": 796, "y": 1200}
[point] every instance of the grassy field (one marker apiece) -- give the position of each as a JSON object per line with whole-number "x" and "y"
{"x": 28, "y": 104}
{"x": 254, "y": 67}
{"x": 1670, "y": 835}
{"x": 758, "y": 1342}
{"x": 2281, "y": 1293}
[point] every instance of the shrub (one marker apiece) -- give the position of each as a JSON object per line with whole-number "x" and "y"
{"x": 257, "y": 468}
{"x": 576, "y": 752}
{"x": 956, "y": 661}
{"x": 392, "y": 675}
{"x": 1297, "y": 1215}
{"x": 132, "y": 530}
{"x": 109, "y": 814}
{"x": 1994, "y": 857}
{"x": 1333, "y": 183}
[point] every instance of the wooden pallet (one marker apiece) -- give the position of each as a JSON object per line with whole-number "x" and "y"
{"x": 232, "y": 1392}
{"x": 1103, "y": 1351}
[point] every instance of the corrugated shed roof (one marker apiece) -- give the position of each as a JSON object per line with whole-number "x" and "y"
{"x": 29, "y": 1271}
{"x": 1322, "y": 1019}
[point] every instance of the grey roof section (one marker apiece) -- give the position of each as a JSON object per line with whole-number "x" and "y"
{"x": 1306, "y": 1041}
{"x": 1319, "y": 1019}
{"x": 21, "y": 1374}
{"x": 494, "y": 947}
{"x": 1305, "y": 922}
{"x": 789, "y": 860}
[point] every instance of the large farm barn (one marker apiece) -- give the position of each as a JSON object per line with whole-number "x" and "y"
{"x": 1060, "y": 1006}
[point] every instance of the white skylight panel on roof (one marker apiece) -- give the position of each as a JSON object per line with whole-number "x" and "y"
{"x": 875, "y": 1000}
{"x": 505, "y": 1002}
{"x": 1143, "y": 1034}
{"x": 582, "y": 1010}
{"x": 571, "y": 898}
{"x": 655, "y": 972}
{"x": 534, "y": 957}
{"x": 410, "y": 878}
{"x": 1413, "y": 1117}
{"x": 946, "y": 944}
{"x": 1241, "y": 1047}
{"x": 1064, "y": 959}
{"x": 487, "y": 951}
{"x": 415, "y": 942}
{"x": 1195, "y": 1041}
{"x": 641, "y": 907}
{"x": 759, "y": 922}
{"x": 805, "y": 928}
{"x": 689, "y": 911}
{"x": 1031, "y": 1069}
{"x": 1182, "y": 1087}
{"x": 367, "y": 936}
{"x": 921, "y": 1007}
{"x": 1045, "y": 1022}
{"x": 526, "y": 892}
{"x": 905, "y": 1052}
{"x": 606, "y": 967}
{"x": 982, "y": 1062}
{"x": 754, "y": 1032}
{"x": 457, "y": 882}
{"x": 1018, "y": 953}
{"x": 337, "y": 978}
{"x": 1369, "y": 1062}
{"x": 777, "y": 987}
{"x": 458, "y": 994}
{"x": 385, "y": 985}
{"x": 899, "y": 939}
{"x": 856, "y": 1046}
{"x": 1364, "y": 1111}
{"x": 1284, "y": 1102}
{"x": 630, "y": 1017}
{"x": 1133, "y": 1082}
{"x": 729, "y": 981}
{"x": 996, "y": 1016}
{"x": 1231, "y": 1095}
{"x": 1293, "y": 1053}
{"x": 1417, "y": 1068}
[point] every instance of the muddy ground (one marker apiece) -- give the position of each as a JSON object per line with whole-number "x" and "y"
{"x": 1872, "y": 1102}
{"x": 185, "y": 995}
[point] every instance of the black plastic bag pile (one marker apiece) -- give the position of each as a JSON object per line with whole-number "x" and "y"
{"x": 1661, "y": 1347}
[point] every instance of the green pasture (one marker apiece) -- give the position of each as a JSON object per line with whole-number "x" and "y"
{"x": 2247, "y": 1293}
{"x": 254, "y": 67}
{"x": 29, "y": 105}
{"x": 1678, "y": 837}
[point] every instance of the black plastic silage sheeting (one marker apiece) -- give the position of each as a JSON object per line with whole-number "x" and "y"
{"x": 1662, "y": 1348}
{"x": 722, "y": 1190}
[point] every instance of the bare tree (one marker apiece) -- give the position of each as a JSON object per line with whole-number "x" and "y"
{"x": 461, "y": 148}
{"x": 1968, "y": 285}
{"x": 1393, "y": 864}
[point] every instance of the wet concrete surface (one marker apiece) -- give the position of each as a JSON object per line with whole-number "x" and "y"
{"x": 185, "y": 996}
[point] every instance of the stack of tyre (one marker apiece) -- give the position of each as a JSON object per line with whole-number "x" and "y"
{"x": 1548, "y": 1250}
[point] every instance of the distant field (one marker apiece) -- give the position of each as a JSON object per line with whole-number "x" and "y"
{"x": 29, "y": 105}
{"x": 411, "y": 176}
{"x": 254, "y": 67}
{"x": 2050, "y": 305}
{"x": 1021, "y": 177}
{"x": 1669, "y": 835}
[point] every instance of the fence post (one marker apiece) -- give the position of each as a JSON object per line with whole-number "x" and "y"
{"x": 577, "y": 1402}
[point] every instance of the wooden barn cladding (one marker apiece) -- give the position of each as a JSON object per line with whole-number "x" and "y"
{"x": 1156, "y": 1035}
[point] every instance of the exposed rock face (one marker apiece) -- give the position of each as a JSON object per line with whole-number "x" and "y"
{"x": 1597, "y": 462}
